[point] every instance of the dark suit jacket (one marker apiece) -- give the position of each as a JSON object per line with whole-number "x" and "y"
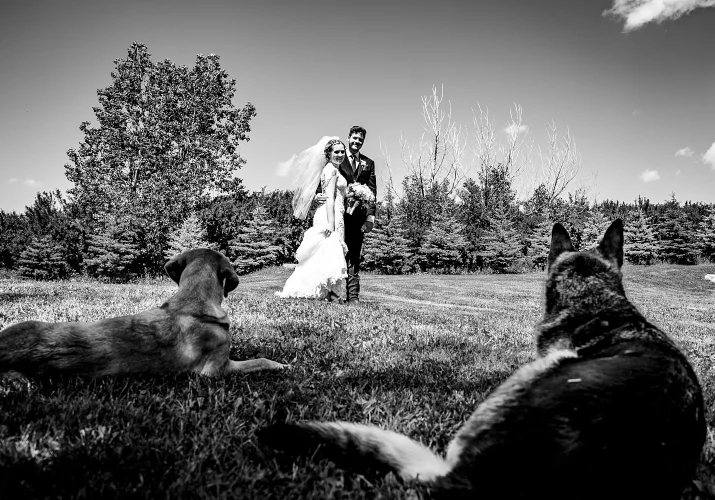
{"x": 365, "y": 174}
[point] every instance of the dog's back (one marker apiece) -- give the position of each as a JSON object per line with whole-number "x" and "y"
{"x": 625, "y": 424}
{"x": 126, "y": 344}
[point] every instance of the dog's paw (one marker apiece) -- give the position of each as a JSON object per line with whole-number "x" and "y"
{"x": 269, "y": 364}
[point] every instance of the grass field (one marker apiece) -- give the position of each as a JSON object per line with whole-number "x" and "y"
{"x": 417, "y": 356}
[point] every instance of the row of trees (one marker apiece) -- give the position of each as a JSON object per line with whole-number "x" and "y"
{"x": 468, "y": 237}
{"x": 257, "y": 229}
{"x": 156, "y": 175}
{"x": 47, "y": 241}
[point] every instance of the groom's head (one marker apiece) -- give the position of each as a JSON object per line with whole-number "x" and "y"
{"x": 356, "y": 137}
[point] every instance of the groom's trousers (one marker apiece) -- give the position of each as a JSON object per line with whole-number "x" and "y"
{"x": 353, "y": 239}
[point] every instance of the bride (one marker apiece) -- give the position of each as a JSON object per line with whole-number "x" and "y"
{"x": 321, "y": 269}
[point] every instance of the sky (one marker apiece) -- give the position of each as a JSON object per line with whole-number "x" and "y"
{"x": 633, "y": 80}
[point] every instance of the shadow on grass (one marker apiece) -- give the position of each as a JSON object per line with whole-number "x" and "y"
{"x": 16, "y": 296}
{"x": 430, "y": 376}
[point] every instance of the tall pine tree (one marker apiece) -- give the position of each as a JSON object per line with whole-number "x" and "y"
{"x": 444, "y": 246}
{"x": 706, "y": 235}
{"x": 253, "y": 248}
{"x": 43, "y": 259}
{"x": 640, "y": 246}
{"x": 14, "y": 234}
{"x": 539, "y": 242}
{"x": 501, "y": 246}
{"x": 594, "y": 228}
{"x": 675, "y": 243}
{"x": 385, "y": 248}
{"x": 191, "y": 234}
{"x": 111, "y": 253}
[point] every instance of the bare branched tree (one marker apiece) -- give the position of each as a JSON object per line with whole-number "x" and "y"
{"x": 388, "y": 179}
{"x": 588, "y": 186}
{"x": 514, "y": 155}
{"x": 558, "y": 166}
{"x": 438, "y": 155}
{"x": 561, "y": 163}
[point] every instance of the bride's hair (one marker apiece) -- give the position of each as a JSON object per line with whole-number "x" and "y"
{"x": 329, "y": 147}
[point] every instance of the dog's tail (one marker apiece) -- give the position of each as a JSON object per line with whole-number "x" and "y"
{"x": 365, "y": 445}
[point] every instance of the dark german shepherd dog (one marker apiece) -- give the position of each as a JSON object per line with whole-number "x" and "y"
{"x": 610, "y": 408}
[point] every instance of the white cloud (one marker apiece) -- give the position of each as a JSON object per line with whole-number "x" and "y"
{"x": 686, "y": 151}
{"x": 637, "y": 13}
{"x": 515, "y": 129}
{"x": 650, "y": 175}
{"x": 26, "y": 182}
{"x": 709, "y": 156}
{"x": 678, "y": 172}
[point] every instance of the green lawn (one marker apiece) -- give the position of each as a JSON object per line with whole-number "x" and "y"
{"x": 417, "y": 356}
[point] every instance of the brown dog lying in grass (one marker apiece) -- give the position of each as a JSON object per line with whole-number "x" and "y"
{"x": 189, "y": 332}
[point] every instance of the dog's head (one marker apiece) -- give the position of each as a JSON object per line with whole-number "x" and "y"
{"x": 588, "y": 279}
{"x": 224, "y": 270}
{"x": 610, "y": 249}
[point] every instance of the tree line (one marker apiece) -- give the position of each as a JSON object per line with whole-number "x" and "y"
{"x": 156, "y": 175}
{"x": 430, "y": 233}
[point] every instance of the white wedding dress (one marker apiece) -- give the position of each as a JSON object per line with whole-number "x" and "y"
{"x": 321, "y": 260}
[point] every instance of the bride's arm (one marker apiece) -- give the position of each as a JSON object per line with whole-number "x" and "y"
{"x": 330, "y": 198}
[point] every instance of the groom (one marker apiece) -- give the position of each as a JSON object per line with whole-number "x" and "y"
{"x": 359, "y": 168}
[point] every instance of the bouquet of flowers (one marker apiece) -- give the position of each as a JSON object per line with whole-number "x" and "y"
{"x": 358, "y": 193}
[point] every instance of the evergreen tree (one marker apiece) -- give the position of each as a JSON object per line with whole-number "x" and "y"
{"x": 706, "y": 235}
{"x": 489, "y": 198}
{"x": 253, "y": 248}
{"x": 497, "y": 192}
{"x": 43, "y": 259}
{"x": 539, "y": 243}
{"x": 51, "y": 215}
{"x": 471, "y": 214}
{"x": 572, "y": 213}
{"x": 111, "y": 252}
{"x": 191, "y": 234}
{"x": 675, "y": 243}
{"x": 289, "y": 230}
{"x": 14, "y": 236}
{"x": 223, "y": 216}
{"x": 594, "y": 228}
{"x": 640, "y": 246}
{"x": 385, "y": 249}
{"x": 444, "y": 246}
{"x": 420, "y": 203}
{"x": 620, "y": 210}
{"x": 501, "y": 247}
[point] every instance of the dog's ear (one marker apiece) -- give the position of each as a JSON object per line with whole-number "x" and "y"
{"x": 560, "y": 243}
{"x": 176, "y": 266}
{"x": 228, "y": 276}
{"x": 611, "y": 246}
